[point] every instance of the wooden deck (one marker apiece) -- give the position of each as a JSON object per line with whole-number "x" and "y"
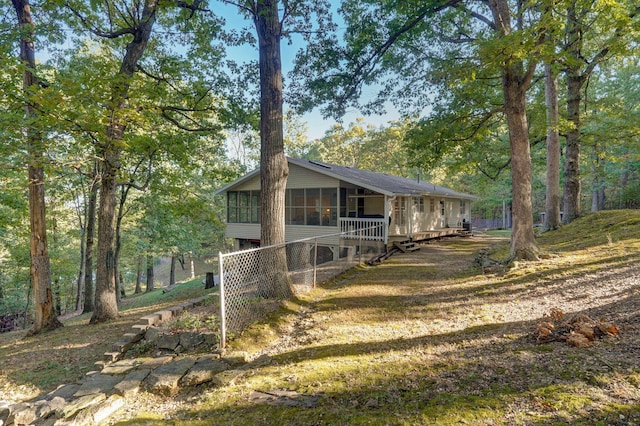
{"x": 425, "y": 235}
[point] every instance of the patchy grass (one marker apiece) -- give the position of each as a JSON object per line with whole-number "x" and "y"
{"x": 33, "y": 365}
{"x": 426, "y": 338}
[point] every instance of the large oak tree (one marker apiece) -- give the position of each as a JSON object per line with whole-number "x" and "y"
{"x": 45, "y": 318}
{"x": 408, "y": 48}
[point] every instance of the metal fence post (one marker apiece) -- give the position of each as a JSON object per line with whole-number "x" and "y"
{"x": 223, "y": 321}
{"x": 315, "y": 262}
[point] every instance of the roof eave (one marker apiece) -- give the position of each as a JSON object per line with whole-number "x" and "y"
{"x": 236, "y": 182}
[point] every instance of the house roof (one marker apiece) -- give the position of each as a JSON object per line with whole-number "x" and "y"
{"x": 377, "y": 182}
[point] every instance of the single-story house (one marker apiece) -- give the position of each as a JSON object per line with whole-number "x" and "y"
{"x": 327, "y": 199}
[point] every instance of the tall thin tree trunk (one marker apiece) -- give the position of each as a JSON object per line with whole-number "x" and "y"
{"x": 89, "y": 291}
{"x": 172, "y": 271}
{"x": 138, "y": 289}
{"x": 118, "y": 244}
{"x": 193, "y": 267}
{"x": 150, "y": 277}
{"x": 44, "y": 318}
{"x": 598, "y": 185}
{"x": 274, "y": 169}
{"x": 80, "y": 280}
{"x": 552, "y": 219}
{"x": 57, "y": 297}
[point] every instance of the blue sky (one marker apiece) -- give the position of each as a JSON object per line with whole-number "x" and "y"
{"x": 317, "y": 125}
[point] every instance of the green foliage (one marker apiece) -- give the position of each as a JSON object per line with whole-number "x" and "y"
{"x": 364, "y": 146}
{"x": 189, "y": 321}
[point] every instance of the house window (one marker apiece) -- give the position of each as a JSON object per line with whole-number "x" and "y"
{"x": 432, "y": 205}
{"x": 329, "y": 207}
{"x": 399, "y": 209}
{"x": 312, "y": 206}
{"x": 295, "y": 207}
{"x": 463, "y": 207}
{"x": 418, "y": 203}
{"x": 243, "y": 207}
{"x": 442, "y": 207}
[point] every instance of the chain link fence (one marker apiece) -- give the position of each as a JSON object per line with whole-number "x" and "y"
{"x": 254, "y": 282}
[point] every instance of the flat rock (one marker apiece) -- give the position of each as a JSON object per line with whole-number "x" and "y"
{"x": 100, "y": 412}
{"x": 190, "y": 340}
{"x": 23, "y": 413}
{"x": 4, "y": 411}
{"x": 153, "y": 319}
{"x": 151, "y": 363}
{"x": 204, "y": 370}
{"x": 152, "y": 334}
{"x": 130, "y": 385}
{"x": 97, "y": 383}
{"x": 210, "y": 338}
{"x": 226, "y": 377}
{"x": 81, "y": 403}
{"x": 284, "y": 398}
{"x": 63, "y": 391}
{"x": 121, "y": 367}
{"x": 168, "y": 341}
{"x": 164, "y": 380}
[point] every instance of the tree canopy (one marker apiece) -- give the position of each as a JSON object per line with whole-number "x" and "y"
{"x": 139, "y": 111}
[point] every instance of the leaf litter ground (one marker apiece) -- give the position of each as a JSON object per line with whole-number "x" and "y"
{"x": 427, "y": 338}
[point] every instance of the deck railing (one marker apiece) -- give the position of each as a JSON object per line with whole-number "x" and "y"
{"x": 368, "y": 229}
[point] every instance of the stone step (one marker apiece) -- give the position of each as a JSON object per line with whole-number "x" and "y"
{"x": 164, "y": 380}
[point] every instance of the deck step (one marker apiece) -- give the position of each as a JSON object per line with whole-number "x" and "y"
{"x": 406, "y": 246}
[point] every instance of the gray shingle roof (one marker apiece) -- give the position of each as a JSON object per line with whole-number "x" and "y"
{"x": 379, "y": 182}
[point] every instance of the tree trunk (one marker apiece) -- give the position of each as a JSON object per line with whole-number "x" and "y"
{"x": 172, "y": 271}
{"x": 89, "y": 291}
{"x": 598, "y": 185}
{"x": 150, "y": 277}
{"x": 193, "y": 267}
{"x": 575, "y": 81}
{"x": 274, "y": 169}
{"x": 515, "y": 82}
{"x": 523, "y": 243}
{"x": 80, "y": 280}
{"x": 44, "y": 318}
{"x": 572, "y": 184}
{"x": 552, "y": 218}
{"x": 209, "y": 281}
{"x": 57, "y": 298}
{"x": 138, "y": 289}
{"x": 118, "y": 243}
{"x": 106, "y": 303}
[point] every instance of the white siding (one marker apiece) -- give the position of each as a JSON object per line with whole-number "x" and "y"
{"x": 303, "y": 178}
{"x": 299, "y": 232}
{"x": 298, "y": 178}
{"x": 252, "y": 184}
{"x": 251, "y": 231}
{"x": 248, "y": 231}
